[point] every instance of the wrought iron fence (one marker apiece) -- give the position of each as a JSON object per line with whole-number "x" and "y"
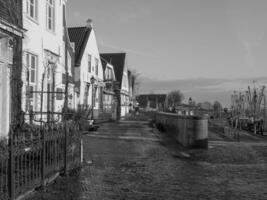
{"x": 30, "y": 158}
{"x": 4, "y": 155}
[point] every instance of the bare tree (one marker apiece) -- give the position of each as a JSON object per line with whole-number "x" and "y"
{"x": 135, "y": 82}
{"x": 217, "y": 108}
{"x": 174, "y": 98}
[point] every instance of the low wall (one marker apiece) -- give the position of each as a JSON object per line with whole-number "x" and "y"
{"x": 190, "y": 131}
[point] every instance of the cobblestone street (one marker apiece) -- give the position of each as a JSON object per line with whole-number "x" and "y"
{"x": 130, "y": 160}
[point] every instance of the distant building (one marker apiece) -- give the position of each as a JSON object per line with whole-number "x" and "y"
{"x": 186, "y": 109}
{"x": 88, "y": 67}
{"x": 118, "y": 60}
{"x": 151, "y": 101}
{"x": 11, "y": 33}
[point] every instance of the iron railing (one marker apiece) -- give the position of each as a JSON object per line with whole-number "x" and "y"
{"x": 31, "y": 158}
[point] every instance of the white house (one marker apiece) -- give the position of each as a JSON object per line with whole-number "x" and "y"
{"x": 118, "y": 60}
{"x": 11, "y": 33}
{"x": 109, "y": 96}
{"x": 88, "y": 67}
{"x": 44, "y": 55}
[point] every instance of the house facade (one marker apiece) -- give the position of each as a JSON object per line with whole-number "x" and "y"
{"x": 46, "y": 55}
{"x": 11, "y": 33}
{"x": 68, "y": 76}
{"x": 118, "y": 60}
{"x": 109, "y": 95}
{"x": 131, "y": 80}
{"x": 88, "y": 68}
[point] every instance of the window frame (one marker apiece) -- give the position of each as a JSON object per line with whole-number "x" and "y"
{"x": 34, "y": 6}
{"x": 51, "y": 6}
{"x": 30, "y": 68}
{"x": 96, "y": 66}
{"x": 32, "y": 85}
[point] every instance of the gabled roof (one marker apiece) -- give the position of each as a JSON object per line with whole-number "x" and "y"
{"x": 130, "y": 78}
{"x": 118, "y": 62}
{"x": 104, "y": 63}
{"x": 79, "y": 35}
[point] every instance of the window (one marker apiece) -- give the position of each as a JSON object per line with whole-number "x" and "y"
{"x": 31, "y": 66}
{"x": 32, "y": 9}
{"x": 96, "y": 66}
{"x": 50, "y": 15}
{"x": 29, "y": 100}
{"x": 89, "y": 63}
{"x": 109, "y": 73}
{"x": 31, "y": 63}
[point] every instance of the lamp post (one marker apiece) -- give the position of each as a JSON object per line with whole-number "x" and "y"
{"x": 92, "y": 80}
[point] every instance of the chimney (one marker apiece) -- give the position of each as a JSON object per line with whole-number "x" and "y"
{"x": 89, "y": 23}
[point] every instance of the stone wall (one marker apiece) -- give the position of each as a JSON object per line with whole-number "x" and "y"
{"x": 190, "y": 131}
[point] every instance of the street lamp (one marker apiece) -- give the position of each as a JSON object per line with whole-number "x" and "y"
{"x": 92, "y": 80}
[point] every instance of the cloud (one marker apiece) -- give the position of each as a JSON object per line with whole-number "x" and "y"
{"x": 127, "y": 50}
{"x": 77, "y": 14}
{"x": 247, "y": 20}
{"x": 133, "y": 16}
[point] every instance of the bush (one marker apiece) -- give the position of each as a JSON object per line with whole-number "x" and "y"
{"x": 82, "y": 113}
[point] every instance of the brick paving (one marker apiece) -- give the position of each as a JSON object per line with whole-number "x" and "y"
{"x": 129, "y": 160}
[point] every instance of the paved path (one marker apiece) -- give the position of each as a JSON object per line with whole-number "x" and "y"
{"x": 129, "y": 160}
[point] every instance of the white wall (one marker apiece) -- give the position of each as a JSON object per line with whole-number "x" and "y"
{"x": 85, "y": 76}
{"x": 37, "y": 39}
{"x": 125, "y": 93}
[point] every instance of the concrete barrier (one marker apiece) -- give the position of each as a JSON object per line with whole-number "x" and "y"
{"x": 190, "y": 131}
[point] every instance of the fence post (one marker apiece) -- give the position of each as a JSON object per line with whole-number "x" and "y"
{"x": 65, "y": 149}
{"x": 81, "y": 150}
{"x": 11, "y": 165}
{"x": 43, "y": 156}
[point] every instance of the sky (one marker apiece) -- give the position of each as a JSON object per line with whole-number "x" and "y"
{"x": 181, "y": 39}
